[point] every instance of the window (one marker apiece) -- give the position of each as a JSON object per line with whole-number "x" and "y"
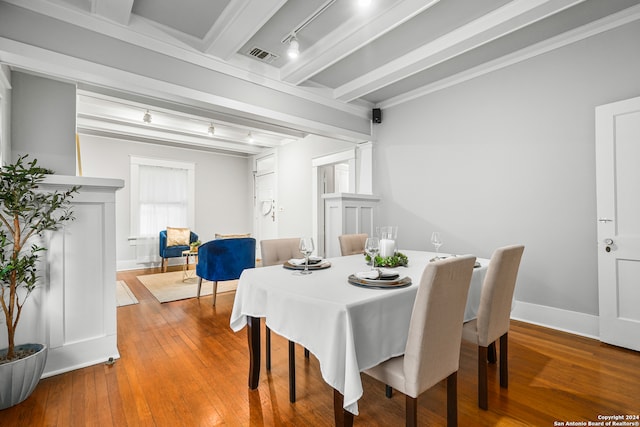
{"x": 162, "y": 194}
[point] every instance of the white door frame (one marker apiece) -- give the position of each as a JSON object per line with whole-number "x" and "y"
{"x": 317, "y": 187}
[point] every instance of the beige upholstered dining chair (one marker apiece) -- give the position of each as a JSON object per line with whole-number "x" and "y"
{"x": 274, "y": 252}
{"x": 494, "y": 313}
{"x": 351, "y": 244}
{"x": 279, "y": 251}
{"x": 432, "y": 352}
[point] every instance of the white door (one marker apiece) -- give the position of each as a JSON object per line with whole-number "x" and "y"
{"x": 266, "y": 219}
{"x": 618, "y": 205}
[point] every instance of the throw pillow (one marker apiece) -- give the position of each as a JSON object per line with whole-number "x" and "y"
{"x": 178, "y": 236}
{"x": 232, "y": 236}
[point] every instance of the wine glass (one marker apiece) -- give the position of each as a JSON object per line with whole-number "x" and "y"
{"x": 437, "y": 242}
{"x": 306, "y": 248}
{"x": 372, "y": 247}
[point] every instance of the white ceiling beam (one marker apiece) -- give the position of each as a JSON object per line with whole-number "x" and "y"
{"x": 125, "y": 130}
{"x": 349, "y": 37}
{"x": 142, "y": 34}
{"x": 589, "y": 30}
{"x": 237, "y": 24}
{"x": 502, "y": 21}
{"x": 108, "y": 109}
{"x": 115, "y": 10}
{"x": 59, "y": 66}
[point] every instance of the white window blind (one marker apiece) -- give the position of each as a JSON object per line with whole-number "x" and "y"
{"x": 163, "y": 199}
{"x": 162, "y": 195}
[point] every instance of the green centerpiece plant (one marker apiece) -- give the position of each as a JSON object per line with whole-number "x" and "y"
{"x": 25, "y": 213}
{"x": 397, "y": 260}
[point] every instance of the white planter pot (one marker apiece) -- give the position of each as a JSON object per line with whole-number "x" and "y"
{"x": 19, "y": 378}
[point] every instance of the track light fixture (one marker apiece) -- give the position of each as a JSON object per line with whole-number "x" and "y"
{"x": 294, "y": 47}
{"x": 293, "y": 50}
{"x": 211, "y": 129}
{"x": 147, "y": 117}
{"x": 250, "y": 138}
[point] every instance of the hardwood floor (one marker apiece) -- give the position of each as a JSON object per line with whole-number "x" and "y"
{"x": 181, "y": 365}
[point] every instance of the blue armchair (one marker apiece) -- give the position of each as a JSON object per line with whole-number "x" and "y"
{"x": 224, "y": 259}
{"x": 167, "y": 252}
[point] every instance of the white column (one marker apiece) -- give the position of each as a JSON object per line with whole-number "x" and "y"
{"x": 364, "y": 168}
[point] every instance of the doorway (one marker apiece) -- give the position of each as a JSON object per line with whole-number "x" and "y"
{"x": 265, "y": 200}
{"x": 332, "y": 173}
{"x": 618, "y": 216}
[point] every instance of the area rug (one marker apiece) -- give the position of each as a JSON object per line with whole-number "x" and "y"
{"x": 124, "y": 296}
{"x": 171, "y": 286}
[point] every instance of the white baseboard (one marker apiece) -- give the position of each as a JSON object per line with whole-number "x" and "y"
{"x": 586, "y": 325}
{"x": 80, "y": 355}
{"x": 132, "y": 264}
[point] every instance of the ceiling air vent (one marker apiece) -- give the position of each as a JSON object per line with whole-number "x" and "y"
{"x": 262, "y": 55}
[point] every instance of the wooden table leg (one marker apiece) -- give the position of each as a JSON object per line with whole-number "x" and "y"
{"x": 253, "y": 336}
{"x": 292, "y": 372}
{"x": 342, "y": 417}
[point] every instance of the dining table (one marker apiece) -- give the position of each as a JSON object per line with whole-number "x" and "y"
{"x": 347, "y": 327}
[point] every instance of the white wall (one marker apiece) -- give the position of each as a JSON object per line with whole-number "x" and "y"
{"x": 509, "y": 157}
{"x": 223, "y": 189}
{"x": 294, "y": 182}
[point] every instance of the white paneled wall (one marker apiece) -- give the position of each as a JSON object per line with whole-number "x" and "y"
{"x": 347, "y": 214}
{"x": 77, "y": 301}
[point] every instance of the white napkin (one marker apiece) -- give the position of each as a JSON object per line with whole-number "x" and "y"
{"x": 371, "y": 274}
{"x": 380, "y": 273}
{"x": 387, "y": 272}
{"x": 300, "y": 261}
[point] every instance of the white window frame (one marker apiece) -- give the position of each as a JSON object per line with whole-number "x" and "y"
{"x": 136, "y": 162}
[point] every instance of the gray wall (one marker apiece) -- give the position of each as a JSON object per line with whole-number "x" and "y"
{"x": 223, "y": 187}
{"x": 5, "y": 114}
{"x": 43, "y": 122}
{"x": 509, "y": 157}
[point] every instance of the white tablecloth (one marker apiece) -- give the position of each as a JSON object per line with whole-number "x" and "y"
{"x": 348, "y": 328}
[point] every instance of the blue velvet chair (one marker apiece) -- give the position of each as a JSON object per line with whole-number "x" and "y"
{"x": 224, "y": 259}
{"x": 167, "y": 252}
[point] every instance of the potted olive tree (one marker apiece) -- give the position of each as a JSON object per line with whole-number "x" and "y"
{"x": 25, "y": 213}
